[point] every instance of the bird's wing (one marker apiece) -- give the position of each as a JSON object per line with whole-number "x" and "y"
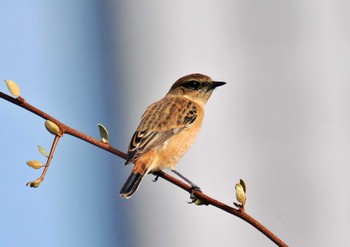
{"x": 159, "y": 123}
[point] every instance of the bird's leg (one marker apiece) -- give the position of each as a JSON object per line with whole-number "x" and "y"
{"x": 194, "y": 187}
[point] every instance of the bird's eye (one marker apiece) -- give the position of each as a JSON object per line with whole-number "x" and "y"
{"x": 192, "y": 85}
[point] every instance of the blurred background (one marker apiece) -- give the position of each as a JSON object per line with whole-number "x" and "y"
{"x": 281, "y": 123}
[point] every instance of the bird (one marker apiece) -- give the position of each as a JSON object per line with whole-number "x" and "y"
{"x": 168, "y": 129}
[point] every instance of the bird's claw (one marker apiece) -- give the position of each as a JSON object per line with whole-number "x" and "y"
{"x": 156, "y": 178}
{"x": 194, "y": 199}
{"x": 195, "y": 188}
{"x": 239, "y": 206}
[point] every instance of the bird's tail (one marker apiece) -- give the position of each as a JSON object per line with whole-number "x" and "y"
{"x": 132, "y": 183}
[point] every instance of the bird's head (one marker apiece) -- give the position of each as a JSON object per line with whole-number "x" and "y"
{"x": 196, "y": 87}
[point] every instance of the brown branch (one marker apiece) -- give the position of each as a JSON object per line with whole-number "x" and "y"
{"x": 53, "y": 147}
{"x": 65, "y": 128}
{"x": 198, "y": 194}
{"x": 37, "y": 182}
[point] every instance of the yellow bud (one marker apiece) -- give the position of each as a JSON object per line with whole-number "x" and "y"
{"x": 34, "y": 164}
{"x": 13, "y": 88}
{"x": 52, "y": 128}
{"x": 42, "y": 151}
{"x": 240, "y": 194}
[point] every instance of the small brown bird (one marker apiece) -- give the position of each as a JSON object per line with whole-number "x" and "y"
{"x": 167, "y": 129}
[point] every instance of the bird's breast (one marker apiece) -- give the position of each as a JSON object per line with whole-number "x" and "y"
{"x": 171, "y": 151}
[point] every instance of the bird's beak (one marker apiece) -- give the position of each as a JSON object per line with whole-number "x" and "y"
{"x": 215, "y": 84}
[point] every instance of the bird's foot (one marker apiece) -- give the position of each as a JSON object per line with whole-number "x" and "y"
{"x": 195, "y": 188}
{"x": 194, "y": 199}
{"x": 156, "y": 178}
{"x": 239, "y": 206}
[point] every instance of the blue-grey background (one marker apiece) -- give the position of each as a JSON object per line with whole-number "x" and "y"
{"x": 281, "y": 123}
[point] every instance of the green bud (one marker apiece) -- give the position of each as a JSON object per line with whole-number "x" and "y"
{"x": 52, "y": 128}
{"x": 103, "y": 133}
{"x": 197, "y": 201}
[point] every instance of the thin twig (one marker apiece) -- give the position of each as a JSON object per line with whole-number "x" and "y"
{"x": 48, "y": 162}
{"x": 198, "y": 194}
